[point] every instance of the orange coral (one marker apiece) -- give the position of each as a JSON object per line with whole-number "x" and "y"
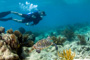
{"x": 66, "y": 55}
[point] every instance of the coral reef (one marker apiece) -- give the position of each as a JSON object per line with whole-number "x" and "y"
{"x": 25, "y": 37}
{"x": 66, "y": 55}
{"x": 18, "y": 35}
{"x": 68, "y": 33}
{"x": 11, "y": 40}
{"x": 2, "y": 30}
{"x": 6, "y": 53}
{"x": 28, "y": 43}
{"x": 13, "y": 44}
{"x": 10, "y": 31}
{"x": 82, "y": 39}
{"x": 31, "y": 37}
{"x": 22, "y": 30}
{"x": 59, "y": 40}
{"x": 28, "y": 40}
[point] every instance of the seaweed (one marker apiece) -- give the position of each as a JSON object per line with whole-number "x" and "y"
{"x": 66, "y": 55}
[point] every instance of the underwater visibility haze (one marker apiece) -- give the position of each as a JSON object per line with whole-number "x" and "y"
{"x": 63, "y": 34}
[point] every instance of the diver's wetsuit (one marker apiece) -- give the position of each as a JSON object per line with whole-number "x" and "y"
{"x": 29, "y": 18}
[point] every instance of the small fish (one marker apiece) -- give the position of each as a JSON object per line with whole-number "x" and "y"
{"x": 42, "y": 44}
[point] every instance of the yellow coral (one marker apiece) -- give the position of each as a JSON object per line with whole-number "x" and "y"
{"x": 66, "y": 55}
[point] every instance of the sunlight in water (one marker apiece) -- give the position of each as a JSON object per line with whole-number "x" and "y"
{"x": 75, "y": 1}
{"x": 28, "y": 6}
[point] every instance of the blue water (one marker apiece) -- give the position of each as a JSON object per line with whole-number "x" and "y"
{"x": 59, "y": 13}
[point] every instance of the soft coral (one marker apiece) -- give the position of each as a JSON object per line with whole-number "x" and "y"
{"x": 66, "y": 55}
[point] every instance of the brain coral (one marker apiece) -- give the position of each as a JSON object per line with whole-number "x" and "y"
{"x": 6, "y": 52}
{"x": 10, "y": 40}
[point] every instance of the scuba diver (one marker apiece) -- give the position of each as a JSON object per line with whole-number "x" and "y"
{"x": 34, "y": 17}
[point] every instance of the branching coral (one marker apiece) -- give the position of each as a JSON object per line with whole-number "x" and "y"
{"x": 59, "y": 40}
{"x": 66, "y": 55}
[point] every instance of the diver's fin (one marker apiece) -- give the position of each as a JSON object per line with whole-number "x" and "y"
{"x": 3, "y": 14}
